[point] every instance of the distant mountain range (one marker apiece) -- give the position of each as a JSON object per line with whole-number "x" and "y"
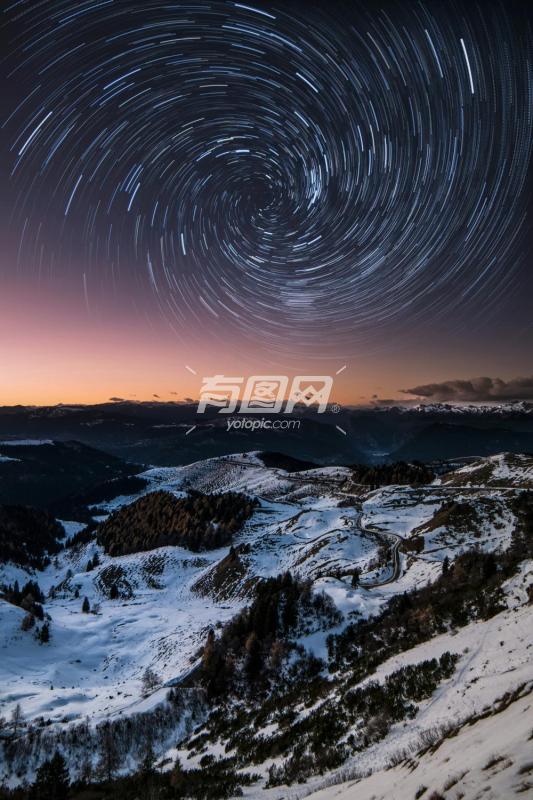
{"x": 62, "y": 477}
{"x": 163, "y": 434}
{"x": 501, "y": 409}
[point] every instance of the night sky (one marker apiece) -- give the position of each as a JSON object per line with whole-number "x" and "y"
{"x": 236, "y": 186}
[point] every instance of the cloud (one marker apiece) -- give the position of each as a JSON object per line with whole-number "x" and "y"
{"x": 393, "y": 402}
{"x": 156, "y": 395}
{"x": 116, "y": 400}
{"x": 385, "y": 401}
{"x": 475, "y": 390}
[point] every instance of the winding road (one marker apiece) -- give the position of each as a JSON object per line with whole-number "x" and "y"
{"x": 329, "y": 482}
{"x": 395, "y": 553}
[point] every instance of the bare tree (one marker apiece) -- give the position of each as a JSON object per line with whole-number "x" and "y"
{"x": 109, "y": 760}
{"x": 150, "y": 681}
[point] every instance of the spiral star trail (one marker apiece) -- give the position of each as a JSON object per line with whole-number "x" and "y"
{"x": 271, "y": 169}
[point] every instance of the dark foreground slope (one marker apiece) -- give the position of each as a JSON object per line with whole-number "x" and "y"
{"x": 62, "y": 477}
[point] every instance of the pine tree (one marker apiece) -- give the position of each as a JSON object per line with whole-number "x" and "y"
{"x": 254, "y": 660}
{"x": 290, "y": 611}
{"x": 356, "y": 574}
{"x": 213, "y": 666}
{"x": 52, "y": 782}
{"x": 43, "y": 635}
{"x": 86, "y": 606}
{"x": 178, "y": 778}
{"x": 28, "y": 622}
{"x": 277, "y": 652}
{"x": 147, "y": 764}
{"x": 86, "y": 771}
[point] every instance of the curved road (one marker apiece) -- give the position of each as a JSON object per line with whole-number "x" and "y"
{"x": 396, "y": 560}
{"x": 333, "y": 481}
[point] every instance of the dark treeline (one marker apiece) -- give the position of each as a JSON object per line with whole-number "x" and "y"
{"x": 402, "y": 473}
{"x": 28, "y": 536}
{"x": 48, "y": 475}
{"x": 76, "y": 506}
{"x": 283, "y": 461}
{"x": 198, "y": 522}
{"x": 96, "y": 756}
{"x": 216, "y": 782}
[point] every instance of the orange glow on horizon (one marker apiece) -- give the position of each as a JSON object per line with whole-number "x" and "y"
{"x": 53, "y": 351}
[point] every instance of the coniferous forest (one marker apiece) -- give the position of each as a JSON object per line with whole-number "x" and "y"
{"x": 197, "y": 521}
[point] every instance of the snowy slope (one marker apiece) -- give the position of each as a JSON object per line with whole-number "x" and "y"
{"x": 491, "y": 758}
{"x": 504, "y": 469}
{"x": 487, "y": 706}
{"x": 494, "y": 666}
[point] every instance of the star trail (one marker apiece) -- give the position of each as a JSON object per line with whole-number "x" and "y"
{"x": 318, "y": 170}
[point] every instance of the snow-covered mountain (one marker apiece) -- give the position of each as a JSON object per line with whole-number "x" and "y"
{"x": 481, "y": 409}
{"x": 323, "y": 529}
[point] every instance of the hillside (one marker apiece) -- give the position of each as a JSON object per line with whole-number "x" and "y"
{"x": 485, "y": 751}
{"x": 61, "y": 477}
{"x": 240, "y": 668}
{"x": 504, "y": 469}
{"x": 159, "y": 519}
{"x": 28, "y": 536}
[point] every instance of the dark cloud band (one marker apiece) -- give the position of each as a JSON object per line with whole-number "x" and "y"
{"x": 475, "y": 390}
